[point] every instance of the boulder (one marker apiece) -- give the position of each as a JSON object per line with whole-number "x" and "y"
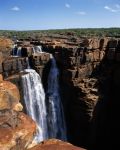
{"x": 9, "y": 96}
{"x": 54, "y": 144}
{"x": 16, "y": 130}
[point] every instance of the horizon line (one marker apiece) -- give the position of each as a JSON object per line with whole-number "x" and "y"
{"x": 18, "y": 30}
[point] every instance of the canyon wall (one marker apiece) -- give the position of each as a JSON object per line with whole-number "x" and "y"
{"x": 89, "y": 86}
{"x": 89, "y": 80}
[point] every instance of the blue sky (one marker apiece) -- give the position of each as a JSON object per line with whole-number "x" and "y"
{"x": 57, "y": 14}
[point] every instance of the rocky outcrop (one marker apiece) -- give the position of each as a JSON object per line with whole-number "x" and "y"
{"x": 54, "y": 144}
{"x": 13, "y": 65}
{"x": 9, "y": 96}
{"x": 5, "y": 43}
{"x": 16, "y": 129}
{"x": 39, "y": 62}
{"x": 5, "y": 46}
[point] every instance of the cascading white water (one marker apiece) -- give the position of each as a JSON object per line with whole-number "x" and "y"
{"x": 16, "y": 51}
{"x": 51, "y": 124}
{"x": 27, "y": 62}
{"x": 37, "y": 49}
{"x": 34, "y": 98}
{"x": 55, "y": 115}
{"x": 19, "y": 52}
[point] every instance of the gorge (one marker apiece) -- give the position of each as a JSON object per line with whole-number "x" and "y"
{"x": 44, "y": 108}
{"x": 82, "y": 75}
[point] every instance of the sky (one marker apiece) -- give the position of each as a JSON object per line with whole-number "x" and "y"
{"x": 58, "y": 14}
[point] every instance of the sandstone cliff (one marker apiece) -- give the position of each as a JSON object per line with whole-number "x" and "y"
{"x": 89, "y": 79}
{"x": 16, "y": 128}
{"x": 89, "y": 86}
{"x": 90, "y": 90}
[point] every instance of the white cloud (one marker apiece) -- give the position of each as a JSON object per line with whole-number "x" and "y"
{"x": 114, "y": 10}
{"x": 15, "y": 8}
{"x": 67, "y": 5}
{"x": 81, "y": 13}
{"x": 117, "y": 6}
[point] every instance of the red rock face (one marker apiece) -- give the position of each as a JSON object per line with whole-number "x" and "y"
{"x": 55, "y": 144}
{"x": 5, "y": 43}
{"x": 16, "y": 128}
{"x": 9, "y": 96}
{"x": 5, "y": 48}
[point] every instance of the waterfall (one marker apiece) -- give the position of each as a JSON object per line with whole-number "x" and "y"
{"x": 37, "y": 49}
{"x": 34, "y": 98}
{"x": 55, "y": 115}
{"x": 19, "y": 52}
{"x": 16, "y": 51}
{"x": 48, "y": 115}
{"x": 27, "y": 62}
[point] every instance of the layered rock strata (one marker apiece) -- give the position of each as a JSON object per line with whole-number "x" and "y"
{"x": 90, "y": 83}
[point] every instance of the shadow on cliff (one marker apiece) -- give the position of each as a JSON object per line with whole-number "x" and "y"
{"x": 105, "y": 121}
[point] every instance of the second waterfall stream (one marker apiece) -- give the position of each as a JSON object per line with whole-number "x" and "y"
{"x": 55, "y": 115}
{"x": 44, "y": 108}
